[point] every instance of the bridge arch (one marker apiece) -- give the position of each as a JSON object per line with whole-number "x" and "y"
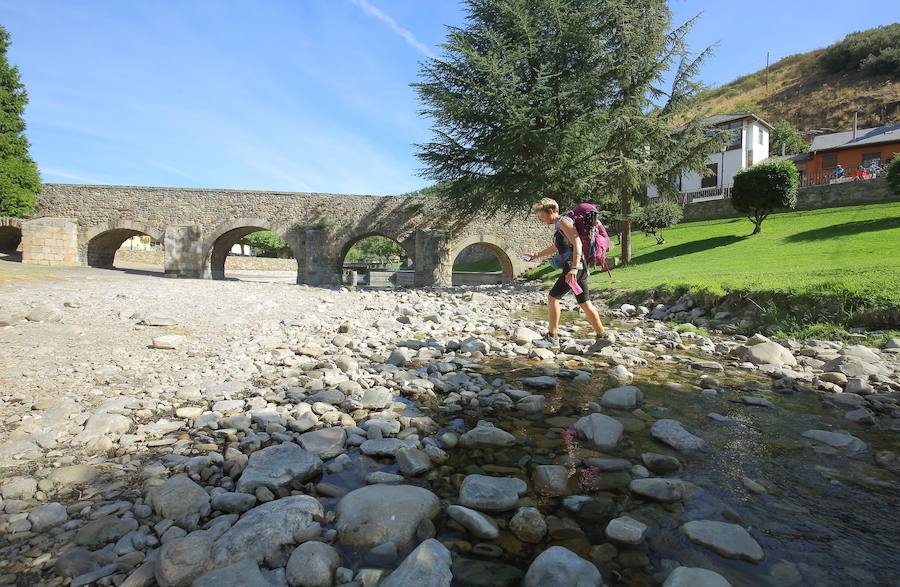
{"x": 221, "y": 239}
{"x": 509, "y": 261}
{"x": 103, "y": 240}
{"x": 10, "y": 234}
{"x": 407, "y": 243}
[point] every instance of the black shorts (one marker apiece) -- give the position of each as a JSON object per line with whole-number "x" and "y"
{"x": 561, "y": 288}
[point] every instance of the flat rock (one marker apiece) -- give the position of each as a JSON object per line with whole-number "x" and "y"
{"x": 600, "y": 430}
{"x": 382, "y": 447}
{"x": 277, "y": 466}
{"x": 766, "y": 352}
{"x": 104, "y": 530}
{"x": 264, "y": 530}
{"x": 850, "y": 366}
{"x": 560, "y": 566}
{"x": 44, "y": 313}
{"x": 541, "y": 382}
{"x": 47, "y": 516}
{"x": 426, "y": 566}
{"x": 244, "y": 573}
{"x": 728, "y": 540}
{"x": 168, "y": 341}
{"x": 182, "y": 560}
{"x": 413, "y": 461}
{"x": 325, "y": 443}
{"x": 672, "y": 433}
{"x": 665, "y": 490}
{"x": 847, "y": 443}
{"x": 491, "y": 494}
{"x": 372, "y": 515}
{"x": 551, "y": 480}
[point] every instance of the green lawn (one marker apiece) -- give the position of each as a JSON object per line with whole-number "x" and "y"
{"x": 490, "y": 263}
{"x": 834, "y": 265}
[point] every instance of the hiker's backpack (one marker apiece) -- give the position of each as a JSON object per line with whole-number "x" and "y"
{"x": 594, "y": 239}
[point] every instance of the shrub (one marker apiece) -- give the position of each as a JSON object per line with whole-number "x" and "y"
{"x": 653, "y": 218}
{"x": 784, "y": 133}
{"x": 893, "y": 175}
{"x": 268, "y": 243}
{"x": 764, "y": 188}
{"x": 874, "y": 51}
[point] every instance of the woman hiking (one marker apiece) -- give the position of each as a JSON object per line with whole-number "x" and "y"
{"x": 568, "y": 249}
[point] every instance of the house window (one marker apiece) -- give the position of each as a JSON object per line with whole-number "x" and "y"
{"x": 870, "y": 158}
{"x": 760, "y": 136}
{"x": 712, "y": 180}
{"x": 829, "y": 161}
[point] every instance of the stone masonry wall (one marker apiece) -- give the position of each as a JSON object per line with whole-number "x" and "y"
{"x": 346, "y": 218}
{"x": 808, "y": 198}
{"x": 49, "y": 241}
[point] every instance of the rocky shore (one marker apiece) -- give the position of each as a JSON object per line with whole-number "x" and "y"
{"x": 173, "y": 433}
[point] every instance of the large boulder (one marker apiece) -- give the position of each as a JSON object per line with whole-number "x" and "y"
{"x": 277, "y": 466}
{"x": 426, "y": 566}
{"x": 850, "y": 366}
{"x": 600, "y": 430}
{"x": 369, "y": 516}
{"x": 559, "y": 566}
{"x": 766, "y": 352}
{"x": 265, "y": 529}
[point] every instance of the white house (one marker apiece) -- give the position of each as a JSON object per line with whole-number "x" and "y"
{"x": 749, "y": 145}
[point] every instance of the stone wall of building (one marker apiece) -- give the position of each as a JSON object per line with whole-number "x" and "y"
{"x": 871, "y": 191}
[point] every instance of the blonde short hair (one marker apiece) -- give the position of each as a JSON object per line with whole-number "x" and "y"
{"x": 546, "y": 205}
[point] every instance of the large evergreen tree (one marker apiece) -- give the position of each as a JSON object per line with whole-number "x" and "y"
{"x": 19, "y": 179}
{"x": 561, "y": 99}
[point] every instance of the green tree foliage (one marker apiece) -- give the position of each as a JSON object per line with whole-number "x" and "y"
{"x": 561, "y": 99}
{"x": 268, "y": 243}
{"x": 653, "y": 218}
{"x": 19, "y": 179}
{"x": 875, "y": 51}
{"x": 893, "y": 175}
{"x": 375, "y": 248}
{"x": 784, "y": 134}
{"x": 764, "y": 188}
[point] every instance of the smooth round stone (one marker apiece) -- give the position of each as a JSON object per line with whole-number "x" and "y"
{"x": 183, "y": 560}
{"x": 695, "y": 577}
{"x": 491, "y": 494}
{"x": 560, "y": 566}
{"x": 277, "y": 466}
{"x": 486, "y": 435}
{"x": 600, "y": 430}
{"x": 660, "y": 464}
{"x": 528, "y": 525}
{"x": 233, "y": 503}
{"x": 372, "y": 515}
{"x": 47, "y": 516}
{"x": 189, "y": 412}
{"x": 626, "y": 397}
{"x": 478, "y": 524}
{"x": 312, "y": 564}
{"x": 664, "y": 490}
{"x": 626, "y": 530}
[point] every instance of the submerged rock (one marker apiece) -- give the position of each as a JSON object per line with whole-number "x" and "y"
{"x": 847, "y": 443}
{"x": 729, "y": 540}
{"x": 695, "y": 577}
{"x": 426, "y": 566}
{"x": 560, "y": 566}
{"x": 671, "y": 432}
{"x": 491, "y": 494}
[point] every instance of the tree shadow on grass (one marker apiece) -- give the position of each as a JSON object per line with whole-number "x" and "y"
{"x": 688, "y": 248}
{"x": 845, "y": 229}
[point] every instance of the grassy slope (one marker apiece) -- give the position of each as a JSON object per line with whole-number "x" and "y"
{"x": 801, "y": 92}
{"x": 838, "y": 265}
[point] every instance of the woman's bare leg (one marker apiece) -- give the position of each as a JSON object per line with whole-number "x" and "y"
{"x": 553, "y": 310}
{"x": 593, "y": 317}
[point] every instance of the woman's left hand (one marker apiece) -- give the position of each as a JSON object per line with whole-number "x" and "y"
{"x": 573, "y": 273}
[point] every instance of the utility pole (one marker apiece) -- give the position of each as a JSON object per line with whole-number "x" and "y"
{"x": 767, "y": 72}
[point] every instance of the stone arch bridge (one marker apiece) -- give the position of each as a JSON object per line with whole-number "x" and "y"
{"x": 86, "y": 224}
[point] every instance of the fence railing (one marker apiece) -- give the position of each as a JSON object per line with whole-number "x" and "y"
{"x": 713, "y": 193}
{"x": 828, "y": 177}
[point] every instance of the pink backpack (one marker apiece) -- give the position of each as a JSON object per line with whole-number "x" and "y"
{"x": 594, "y": 238}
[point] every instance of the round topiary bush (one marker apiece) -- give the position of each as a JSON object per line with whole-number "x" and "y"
{"x": 653, "y": 218}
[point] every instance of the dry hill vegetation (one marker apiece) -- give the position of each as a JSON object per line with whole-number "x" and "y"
{"x": 819, "y": 90}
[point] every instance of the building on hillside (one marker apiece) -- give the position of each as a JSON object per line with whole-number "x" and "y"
{"x": 863, "y": 146}
{"x": 749, "y": 145}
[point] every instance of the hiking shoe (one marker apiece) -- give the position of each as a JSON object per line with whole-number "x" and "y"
{"x": 550, "y": 341}
{"x": 601, "y": 342}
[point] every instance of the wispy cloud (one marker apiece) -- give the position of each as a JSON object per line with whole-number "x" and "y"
{"x": 403, "y": 32}
{"x": 172, "y": 170}
{"x": 65, "y": 175}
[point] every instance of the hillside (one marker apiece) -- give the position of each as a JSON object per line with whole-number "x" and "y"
{"x": 802, "y": 91}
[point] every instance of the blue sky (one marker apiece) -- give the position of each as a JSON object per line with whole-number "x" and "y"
{"x": 302, "y": 95}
